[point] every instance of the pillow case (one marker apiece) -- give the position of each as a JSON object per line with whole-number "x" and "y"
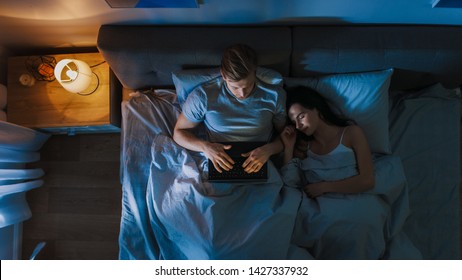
{"x": 362, "y": 97}
{"x": 186, "y": 81}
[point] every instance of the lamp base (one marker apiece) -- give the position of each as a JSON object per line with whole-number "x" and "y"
{"x": 93, "y": 86}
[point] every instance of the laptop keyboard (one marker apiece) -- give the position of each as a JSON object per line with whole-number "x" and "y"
{"x": 237, "y": 173}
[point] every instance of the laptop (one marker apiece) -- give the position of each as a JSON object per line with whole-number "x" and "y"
{"x": 237, "y": 174}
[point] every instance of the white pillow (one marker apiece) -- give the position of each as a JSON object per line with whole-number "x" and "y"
{"x": 362, "y": 97}
{"x": 186, "y": 81}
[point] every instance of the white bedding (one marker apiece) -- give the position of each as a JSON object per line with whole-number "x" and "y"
{"x": 425, "y": 134}
{"x": 171, "y": 212}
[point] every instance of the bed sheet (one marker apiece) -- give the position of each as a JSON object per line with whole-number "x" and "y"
{"x": 171, "y": 212}
{"x": 143, "y": 117}
{"x": 425, "y": 134}
{"x": 366, "y": 225}
{"x": 196, "y": 219}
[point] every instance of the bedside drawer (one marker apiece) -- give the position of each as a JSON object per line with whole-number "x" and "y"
{"x": 81, "y": 129}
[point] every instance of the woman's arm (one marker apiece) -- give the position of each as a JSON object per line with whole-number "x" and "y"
{"x": 288, "y": 138}
{"x": 363, "y": 181}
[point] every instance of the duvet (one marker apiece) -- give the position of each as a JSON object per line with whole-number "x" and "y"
{"x": 170, "y": 211}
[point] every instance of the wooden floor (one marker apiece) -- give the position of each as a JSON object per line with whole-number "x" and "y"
{"x": 77, "y": 210}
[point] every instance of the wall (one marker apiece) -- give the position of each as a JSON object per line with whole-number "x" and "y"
{"x": 3, "y": 64}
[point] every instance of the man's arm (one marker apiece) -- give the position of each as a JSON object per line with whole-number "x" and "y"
{"x": 184, "y": 137}
{"x": 213, "y": 151}
{"x": 277, "y": 146}
{"x": 257, "y": 157}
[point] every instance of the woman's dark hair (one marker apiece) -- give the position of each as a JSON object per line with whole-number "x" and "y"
{"x": 311, "y": 99}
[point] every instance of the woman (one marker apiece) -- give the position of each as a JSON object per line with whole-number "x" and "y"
{"x": 337, "y": 219}
{"x": 332, "y": 141}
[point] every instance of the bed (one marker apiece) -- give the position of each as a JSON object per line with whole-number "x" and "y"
{"x": 400, "y": 83}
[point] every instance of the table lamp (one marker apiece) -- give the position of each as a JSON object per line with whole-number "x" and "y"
{"x": 75, "y": 76}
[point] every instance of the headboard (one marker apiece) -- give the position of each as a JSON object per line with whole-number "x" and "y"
{"x": 420, "y": 55}
{"x": 145, "y": 56}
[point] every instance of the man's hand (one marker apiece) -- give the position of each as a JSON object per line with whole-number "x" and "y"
{"x": 255, "y": 159}
{"x": 216, "y": 153}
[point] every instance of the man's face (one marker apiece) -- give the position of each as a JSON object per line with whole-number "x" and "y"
{"x": 243, "y": 88}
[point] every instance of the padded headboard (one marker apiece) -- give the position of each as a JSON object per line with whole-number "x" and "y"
{"x": 421, "y": 55}
{"x": 145, "y": 56}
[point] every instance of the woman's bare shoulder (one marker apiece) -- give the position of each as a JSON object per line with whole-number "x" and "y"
{"x": 354, "y": 128}
{"x": 353, "y": 133}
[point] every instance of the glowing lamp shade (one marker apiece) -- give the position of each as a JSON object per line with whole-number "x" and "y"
{"x": 73, "y": 75}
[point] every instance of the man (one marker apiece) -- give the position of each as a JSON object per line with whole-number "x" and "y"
{"x": 234, "y": 107}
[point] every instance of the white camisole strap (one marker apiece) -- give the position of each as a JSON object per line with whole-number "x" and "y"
{"x": 341, "y": 137}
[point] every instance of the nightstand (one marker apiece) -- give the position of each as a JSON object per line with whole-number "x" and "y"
{"x": 47, "y": 106}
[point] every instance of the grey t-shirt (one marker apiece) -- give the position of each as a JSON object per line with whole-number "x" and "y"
{"x": 228, "y": 118}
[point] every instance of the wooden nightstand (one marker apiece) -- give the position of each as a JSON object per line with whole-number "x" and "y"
{"x": 49, "y": 107}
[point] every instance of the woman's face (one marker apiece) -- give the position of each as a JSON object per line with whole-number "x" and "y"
{"x": 305, "y": 120}
{"x": 243, "y": 88}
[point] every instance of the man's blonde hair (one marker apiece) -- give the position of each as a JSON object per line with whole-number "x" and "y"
{"x": 238, "y": 62}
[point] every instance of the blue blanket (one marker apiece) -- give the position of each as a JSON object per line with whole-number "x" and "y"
{"x": 196, "y": 219}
